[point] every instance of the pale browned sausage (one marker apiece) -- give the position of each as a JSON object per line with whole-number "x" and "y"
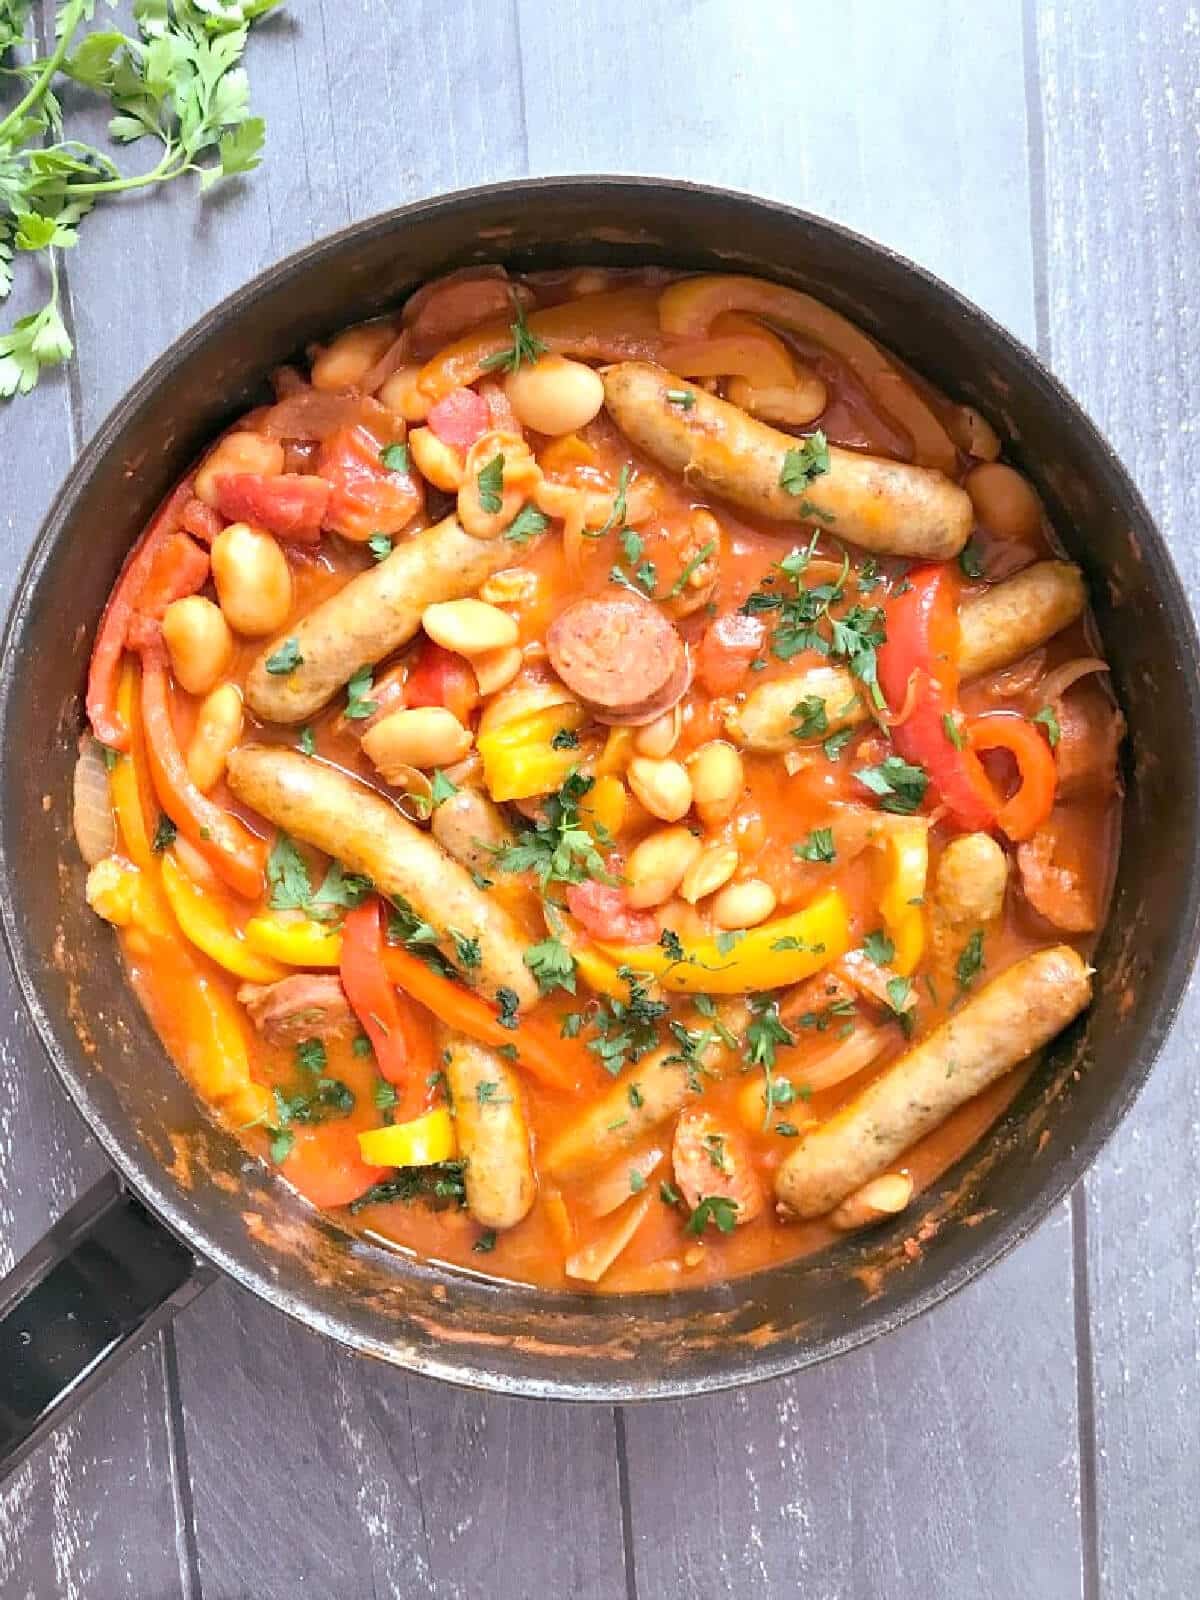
{"x": 664, "y": 1085}
{"x": 889, "y": 507}
{"x": 370, "y": 617}
{"x": 493, "y": 1138}
{"x": 341, "y": 816}
{"x": 622, "y": 657}
{"x": 998, "y": 1027}
{"x": 998, "y": 627}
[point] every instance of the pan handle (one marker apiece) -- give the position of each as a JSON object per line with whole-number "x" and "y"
{"x": 104, "y": 1278}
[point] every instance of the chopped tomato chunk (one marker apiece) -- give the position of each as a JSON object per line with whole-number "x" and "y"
{"x": 291, "y": 505}
{"x": 601, "y": 908}
{"x": 461, "y": 418}
{"x": 440, "y": 678}
{"x": 365, "y": 496}
{"x": 728, "y": 647}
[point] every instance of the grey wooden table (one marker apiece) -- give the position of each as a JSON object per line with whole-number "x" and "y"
{"x": 1039, "y": 1435}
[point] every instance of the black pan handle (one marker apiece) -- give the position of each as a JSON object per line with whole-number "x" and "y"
{"x": 105, "y": 1277}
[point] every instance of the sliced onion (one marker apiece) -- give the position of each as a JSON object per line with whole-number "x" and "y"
{"x": 312, "y": 414}
{"x": 1056, "y": 683}
{"x": 908, "y": 706}
{"x": 392, "y": 359}
{"x": 92, "y": 811}
{"x": 842, "y": 1060}
{"x": 593, "y": 1261}
{"x": 615, "y": 1185}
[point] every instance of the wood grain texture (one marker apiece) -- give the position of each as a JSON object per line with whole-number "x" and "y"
{"x": 1120, "y": 87}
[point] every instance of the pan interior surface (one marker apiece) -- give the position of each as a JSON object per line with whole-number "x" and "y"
{"x": 451, "y": 1323}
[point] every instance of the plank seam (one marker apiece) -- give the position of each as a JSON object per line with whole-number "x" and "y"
{"x": 186, "y": 1547}
{"x": 631, "y": 1588}
{"x": 521, "y": 82}
{"x": 1035, "y": 145}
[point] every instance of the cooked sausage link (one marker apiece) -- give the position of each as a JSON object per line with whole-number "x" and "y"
{"x": 493, "y": 1138}
{"x": 998, "y": 627}
{"x": 885, "y": 506}
{"x": 471, "y": 828}
{"x": 1004, "y": 1022}
{"x": 341, "y": 816}
{"x": 664, "y": 1084}
{"x": 972, "y": 875}
{"x": 310, "y": 1005}
{"x": 370, "y": 617}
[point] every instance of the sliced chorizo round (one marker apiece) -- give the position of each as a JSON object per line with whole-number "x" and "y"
{"x": 621, "y": 656}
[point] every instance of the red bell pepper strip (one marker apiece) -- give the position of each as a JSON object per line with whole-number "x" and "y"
{"x": 179, "y": 568}
{"x": 105, "y": 667}
{"x": 546, "y": 1059}
{"x": 1030, "y": 805}
{"x": 325, "y": 1164}
{"x": 229, "y": 847}
{"x": 440, "y": 678}
{"x": 400, "y": 1035}
{"x": 923, "y": 639}
{"x": 728, "y": 647}
{"x": 291, "y": 505}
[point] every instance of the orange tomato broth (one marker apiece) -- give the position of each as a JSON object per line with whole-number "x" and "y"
{"x": 777, "y": 811}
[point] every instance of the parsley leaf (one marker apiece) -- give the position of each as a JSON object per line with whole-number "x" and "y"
{"x": 441, "y": 788}
{"x": 312, "y": 1055}
{"x": 879, "y": 948}
{"x": 970, "y": 560}
{"x": 509, "y": 1002}
{"x": 558, "y": 848}
{"x": 809, "y": 460}
{"x": 307, "y": 743}
{"x": 616, "y": 517}
{"x": 340, "y": 888}
{"x": 970, "y": 963}
{"x": 552, "y": 964}
{"x": 683, "y": 398}
{"x": 286, "y": 659}
{"x": 1046, "y": 718}
{"x": 565, "y": 739}
{"x": 818, "y": 847}
{"x": 525, "y": 347}
{"x": 395, "y": 458}
{"x": 380, "y": 546}
{"x": 165, "y": 834}
{"x": 287, "y": 874}
{"x": 900, "y": 785}
{"x": 358, "y": 705}
{"x": 836, "y": 743}
{"x": 952, "y": 731}
{"x": 814, "y": 719}
{"x": 764, "y": 1033}
{"x": 716, "y": 1208}
{"x": 526, "y": 525}
{"x": 468, "y": 951}
{"x": 485, "y": 1243}
{"x": 490, "y": 481}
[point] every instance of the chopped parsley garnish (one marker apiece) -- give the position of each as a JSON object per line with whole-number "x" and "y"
{"x": 626, "y": 1030}
{"x": 693, "y": 564}
{"x": 857, "y": 636}
{"x": 485, "y": 1243}
{"x": 836, "y": 743}
{"x": 282, "y": 1140}
{"x": 525, "y": 347}
{"x": 683, "y": 398}
{"x": 467, "y": 951}
{"x": 764, "y": 1033}
{"x": 645, "y": 573}
{"x": 714, "y": 1149}
{"x": 165, "y": 834}
{"x": 395, "y": 459}
{"x": 818, "y": 847}
{"x": 307, "y": 743}
{"x": 813, "y": 718}
{"x": 668, "y": 1193}
{"x": 900, "y": 785}
{"x": 952, "y": 731}
{"x": 879, "y": 948}
{"x": 809, "y": 460}
{"x": 287, "y": 874}
{"x": 1046, "y": 719}
{"x": 558, "y": 848}
{"x": 286, "y": 659}
{"x": 899, "y": 995}
{"x": 970, "y": 963}
{"x": 636, "y": 1098}
{"x": 636, "y": 1182}
{"x": 490, "y": 481}
{"x": 552, "y": 964}
{"x": 360, "y": 1046}
{"x": 565, "y": 739}
{"x": 526, "y": 525}
{"x": 340, "y": 889}
{"x": 358, "y": 705}
{"x": 670, "y": 941}
{"x": 509, "y": 1002}
{"x": 385, "y": 1095}
{"x": 716, "y": 1208}
{"x": 440, "y": 1183}
{"x": 868, "y": 578}
{"x": 441, "y": 788}
{"x": 970, "y": 560}
{"x": 312, "y": 1055}
{"x": 487, "y": 1093}
{"x": 380, "y": 546}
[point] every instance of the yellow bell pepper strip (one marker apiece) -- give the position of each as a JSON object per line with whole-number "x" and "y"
{"x": 208, "y": 928}
{"x": 618, "y": 326}
{"x": 552, "y": 1061}
{"x": 128, "y": 779}
{"x": 294, "y": 941}
{"x": 420, "y": 1143}
{"x": 215, "y": 1060}
{"x": 905, "y": 857}
{"x": 123, "y": 895}
{"x": 519, "y": 758}
{"x": 688, "y": 309}
{"x": 615, "y": 757}
{"x": 604, "y": 808}
{"x": 771, "y": 956}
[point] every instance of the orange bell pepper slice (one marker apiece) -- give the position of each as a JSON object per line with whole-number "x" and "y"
{"x": 326, "y": 1165}
{"x": 1029, "y": 807}
{"x": 621, "y": 325}
{"x": 687, "y": 309}
{"x": 229, "y": 847}
{"x": 548, "y": 1060}
{"x": 737, "y": 346}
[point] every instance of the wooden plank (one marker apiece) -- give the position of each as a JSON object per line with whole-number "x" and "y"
{"x": 891, "y": 1466}
{"x": 1121, "y": 156}
{"x": 366, "y": 1481}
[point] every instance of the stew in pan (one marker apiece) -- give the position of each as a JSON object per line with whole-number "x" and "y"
{"x": 605, "y": 778}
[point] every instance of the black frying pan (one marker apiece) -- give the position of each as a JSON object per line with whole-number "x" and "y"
{"x": 125, "y": 1257}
